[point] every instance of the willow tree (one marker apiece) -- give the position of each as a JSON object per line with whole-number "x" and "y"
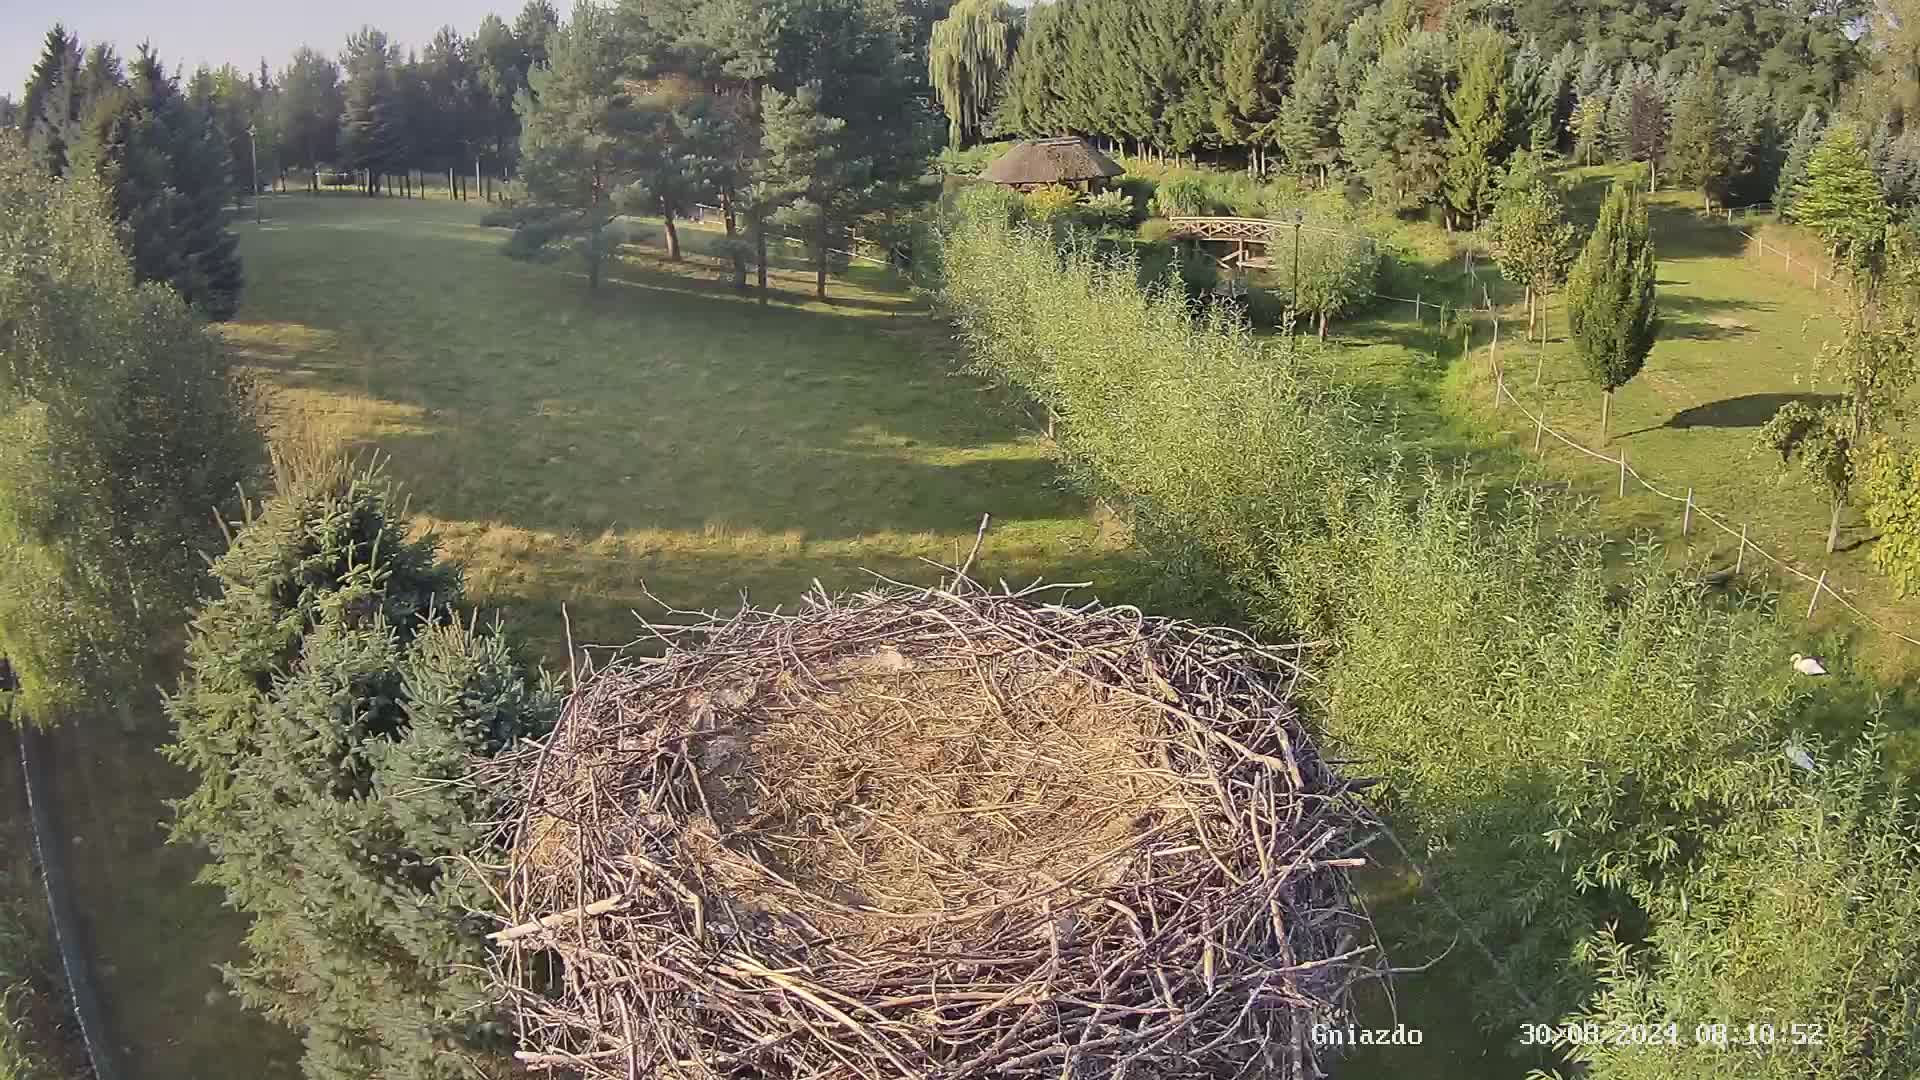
{"x": 970, "y": 52}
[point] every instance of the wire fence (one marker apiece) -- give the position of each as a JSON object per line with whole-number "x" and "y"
{"x": 1691, "y": 511}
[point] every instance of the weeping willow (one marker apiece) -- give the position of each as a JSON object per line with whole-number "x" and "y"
{"x": 970, "y": 51}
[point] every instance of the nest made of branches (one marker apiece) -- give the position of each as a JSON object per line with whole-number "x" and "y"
{"x": 931, "y": 833}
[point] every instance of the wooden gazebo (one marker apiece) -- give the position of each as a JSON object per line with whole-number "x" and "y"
{"x": 1070, "y": 161}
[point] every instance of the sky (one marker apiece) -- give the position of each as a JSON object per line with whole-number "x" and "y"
{"x": 191, "y": 32}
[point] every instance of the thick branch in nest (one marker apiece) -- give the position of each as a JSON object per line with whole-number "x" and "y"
{"x": 931, "y": 833}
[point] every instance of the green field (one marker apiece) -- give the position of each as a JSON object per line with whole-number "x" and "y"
{"x": 576, "y": 451}
{"x": 1738, "y": 339}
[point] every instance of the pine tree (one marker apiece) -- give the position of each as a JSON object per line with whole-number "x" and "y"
{"x": 124, "y": 429}
{"x": 1589, "y": 129}
{"x": 371, "y": 126}
{"x": 1255, "y": 67}
{"x": 1476, "y": 125}
{"x": 52, "y": 105}
{"x": 968, "y": 56}
{"x": 1610, "y": 295}
{"x": 1307, "y": 130}
{"x": 578, "y": 145}
{"x": 1394, "y": 134}
{"x": 310, "y": 106}
{"x": 333, "y": 697}
{"x": 1700, "y": 151}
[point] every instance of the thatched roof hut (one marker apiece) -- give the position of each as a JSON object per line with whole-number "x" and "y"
{"x": 1070, "y": 161}
{"x": 931, "y": 833}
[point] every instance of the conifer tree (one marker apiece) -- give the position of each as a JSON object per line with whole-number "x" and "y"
{"x": 1610, "y": 295}
{"x": 310, "y": 106}
{"x": 333, "y": 698}
{"x": 578, "y": 142}
{"x": 1700, "y": 151}
{"x": 968, "y": 56}
{"x": 1476, "y": 126}
{"x": 1394, "y": 134}
{"x": 372, "y": 131}
{"x": 53, "y": 105}
{"x": 1841, "y": 200}
{"x": 124, "y": 431}
{"x": 1307, "y": 130}
{"x": 1255, "y": 67}
{"x": 168, "y": 173}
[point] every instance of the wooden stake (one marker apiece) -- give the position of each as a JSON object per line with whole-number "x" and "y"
{"x": 1416, "y": 307}
{"x": 1623, "y": 474}
{"x": 1817, "y": 586}
{"x": 1686, "y": 516}
{"x": 1742, "y": 556}
{"x": 1539, "y": 428}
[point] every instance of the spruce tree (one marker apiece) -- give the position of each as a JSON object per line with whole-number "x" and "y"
{"x": 1307, "y": 130}
{"x": 168, "y": 171}
{"x": 1700, "y": 151}
{"x": 52, "y": 104}
{"x": 1476, "y": 126}
{"x": 1610, "y": 295}
{"x": 124, "y": 430}
{"x": 310, "y": 106}
{"x": 332, "y": 703}
{"x": 1255, "y": 67}
{"x": 1841, "y": 200}
{"x": 968, "y": 56}
{"x": 1394, "y": 134}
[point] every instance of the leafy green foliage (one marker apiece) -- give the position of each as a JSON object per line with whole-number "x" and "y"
{"x": 1700, "y": 153}
{"x": 1183, "y": 195}
{"x": 121, "y": 429}
{"x": 1610, "y": 293}
{"x": 1803, "y": 906}
{"x": 1532, "y": 239}
{"x": 967, "y": 57}
{"x": 333, "y": 699}
{"x": 1108, "y": 210}
{"x": 1890, "y": 494}
{"x": 1476, "y": 125}
{"x": 1051, "y": 203}
{"x": 1339, "y": 266}
{"x": 1841, "y": 200}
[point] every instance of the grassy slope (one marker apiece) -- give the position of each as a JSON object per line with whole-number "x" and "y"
{"x": 1738, "y": 340}
{"x": 568, "y": 447}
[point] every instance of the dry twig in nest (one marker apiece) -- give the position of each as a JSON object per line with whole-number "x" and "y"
{"x": 930, "y": 833}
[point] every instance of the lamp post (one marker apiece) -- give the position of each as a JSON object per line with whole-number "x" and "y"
{"x": 1299, "y": 219}
{"x": 253, "y": 140}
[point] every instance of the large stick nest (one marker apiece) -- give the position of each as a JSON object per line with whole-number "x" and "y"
{"x": 940, "y": 833}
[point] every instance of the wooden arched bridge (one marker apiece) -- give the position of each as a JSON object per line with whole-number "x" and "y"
{"x": 1250, "y": 237}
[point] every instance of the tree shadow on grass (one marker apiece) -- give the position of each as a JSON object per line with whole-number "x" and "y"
{"x": 1745, "y": 411}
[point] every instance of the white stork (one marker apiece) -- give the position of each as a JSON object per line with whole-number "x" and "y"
{"x": 1807, "y": 665}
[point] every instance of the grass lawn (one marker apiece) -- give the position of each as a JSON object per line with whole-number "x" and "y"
{"x": 1738, "y": 340}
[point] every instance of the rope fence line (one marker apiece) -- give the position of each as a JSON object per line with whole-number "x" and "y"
{"x": 708, "y": 208}
{"x": 1693, "y": 510}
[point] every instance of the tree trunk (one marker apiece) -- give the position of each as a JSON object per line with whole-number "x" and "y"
{"x": 673, "y": 234}
{"x": 760, "y": 251}
{"x": 1323, "y": 326}
{"x": 1833, "y": 528}
{"x": 733, "y": 241}
{"x": 820, "y": 266}
{"x": 1529, "y": 313}
{"x": 1606, "y": 406}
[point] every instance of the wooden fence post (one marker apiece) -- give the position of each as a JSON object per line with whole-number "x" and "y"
{"x": 1416, "y": 307}
{"x": 1539, "y": 428}
{"x": 1742, "y": 556}
{"x": 1623, "y": 474}
{"x": 1817, "y": 586}
{"x": 1686, "y": 516}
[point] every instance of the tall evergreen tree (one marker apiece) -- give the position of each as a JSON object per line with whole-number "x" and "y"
{"x": 1307, "y": 130}
{"x": 1255, "y": 68}
{"x": 1610, "y": 295}
{"x": 333, "y": 698}
{"x": 1394, "y": 135}
{"x": 372, "y": 132}
{"x": 1476, "y": 125}
{"x": 968, "y": 56}
{"x": 1700, "y": 152}
{"x": 1841, "y": 201}
{"x": 311, "y": 104}
{"x": 52, "y": 105}
{"x": 167, "y": 169}
{"x": 124, "y": 429}
{"x": 578, "y": 141}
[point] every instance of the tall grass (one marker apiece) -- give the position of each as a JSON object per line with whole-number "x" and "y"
{"x": 1565, "y": 744}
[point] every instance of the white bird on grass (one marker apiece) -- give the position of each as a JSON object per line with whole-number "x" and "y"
{"x": 1807, "y": 665}
{"x": 1798, "y": 755}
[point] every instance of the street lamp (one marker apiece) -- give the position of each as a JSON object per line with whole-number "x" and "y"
{"x": 253, "y": 139}
{"x": 1299, "y": 219}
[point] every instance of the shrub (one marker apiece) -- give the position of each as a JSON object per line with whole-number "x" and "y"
{"x": 1182, "y": 196}
{"x": 1612, "y": 734}
{"x": 990, "y": 202}
{"x": 1890, "y": 493}
{"x": 1154, "y": 230}
{"x": 1052, "y": 203}
{"x": 1108, "y": 210}
{"x": 1339, "y": 267}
